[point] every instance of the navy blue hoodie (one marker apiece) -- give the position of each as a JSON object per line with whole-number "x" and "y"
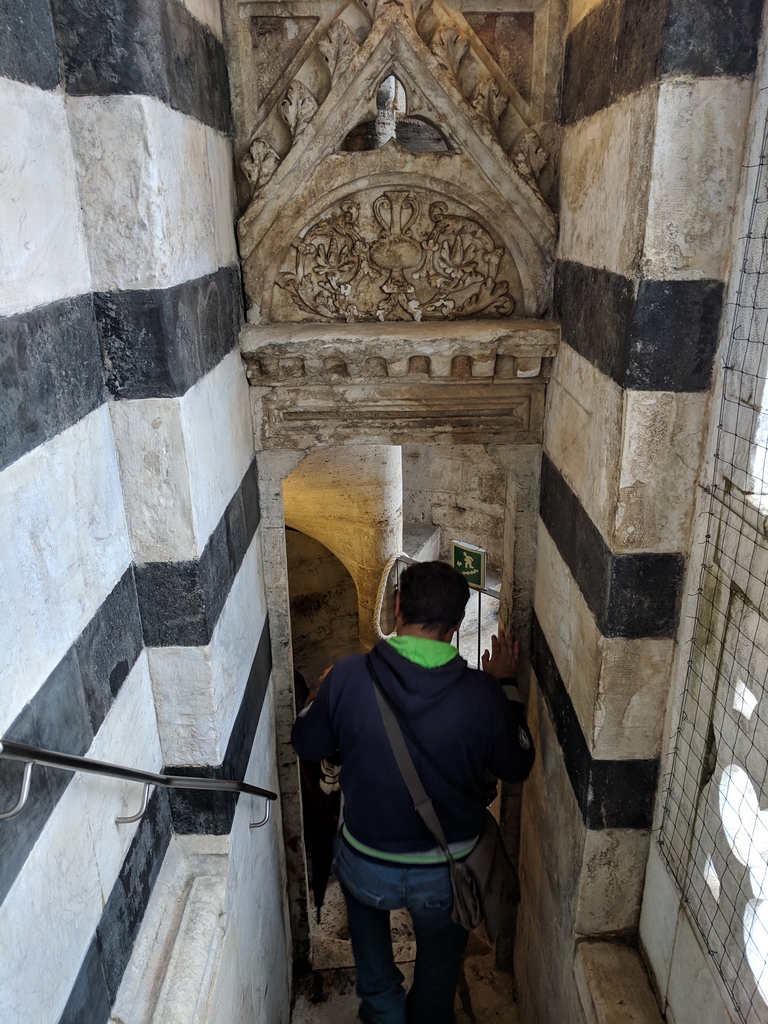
{"x": 460, "y": 717}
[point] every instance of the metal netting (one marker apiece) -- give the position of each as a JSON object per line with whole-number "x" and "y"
{"x": 714, "y": 828}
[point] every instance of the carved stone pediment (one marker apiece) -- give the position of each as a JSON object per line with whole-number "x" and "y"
{"x": 324, "y": 237}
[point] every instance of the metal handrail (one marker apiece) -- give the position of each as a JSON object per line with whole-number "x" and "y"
{"x": 73, "y": 763}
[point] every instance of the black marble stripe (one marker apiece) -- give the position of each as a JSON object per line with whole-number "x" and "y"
{"x": 710, "y": 37}
{"x": 65, "y": 714}
{"x": 109, "y": 952}
{"x": 50, "y": 373}
{"x": 181, "y": 602}
{"x": 615, "y": 50}
{"x": 623, "y": 45}
{"x": 160, "y": 342}
{"x": 27, "y": 44}
{"x": 169, "y": 811}
{"x": 148, "y": 47}
{"x": 610, "y": 793}
{"x": 56, "y": 359}
{"x": 195, "y": 812}
{"x": 88, "y": 1001}
{"x": 630, "y": 595}
{"x": 661, "y": 336}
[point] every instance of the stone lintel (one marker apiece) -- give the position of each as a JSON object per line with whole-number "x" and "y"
{"x": 512, "y": 337}
{"x": 281, "y": 353}
{"x": 427, "y": 412}
{"x": 297, "y": 8}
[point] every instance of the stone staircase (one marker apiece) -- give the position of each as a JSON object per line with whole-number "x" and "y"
{"x": 173, "y": 968}
{"x": 421, "y": 541}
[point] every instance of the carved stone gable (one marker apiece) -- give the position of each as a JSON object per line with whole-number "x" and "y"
{"x": 393, "y": 232}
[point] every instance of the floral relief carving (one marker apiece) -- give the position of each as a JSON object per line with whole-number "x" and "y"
{"x": 259, "y": 164}
{"x": 450, "y": 47}
{"x": 338, "y": 48}
{"x": 397, "y": 256}
{"x": 297, "y": 108}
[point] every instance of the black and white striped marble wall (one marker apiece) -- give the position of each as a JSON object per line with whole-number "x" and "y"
{"x": 655, "y": 104}
{"x": 134, "y": 623}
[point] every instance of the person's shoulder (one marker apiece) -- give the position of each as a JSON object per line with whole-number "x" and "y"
{"x": 351, "y": 666}
{"x": 479, "y": 682}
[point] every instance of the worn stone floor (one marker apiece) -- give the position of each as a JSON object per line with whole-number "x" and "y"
{"x": 484, "y": 996}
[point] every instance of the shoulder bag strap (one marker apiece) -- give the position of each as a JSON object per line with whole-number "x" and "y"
{"x": 421, "y": 802}
{"x": 466, "y": 793}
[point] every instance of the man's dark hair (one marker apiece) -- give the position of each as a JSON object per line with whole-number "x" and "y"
{"x": 432, "y": 594}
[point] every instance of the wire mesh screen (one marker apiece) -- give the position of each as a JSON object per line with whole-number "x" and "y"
{"x": 714, "y": 829}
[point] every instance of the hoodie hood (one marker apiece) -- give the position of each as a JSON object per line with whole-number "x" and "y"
{"x": 412, "y": 689}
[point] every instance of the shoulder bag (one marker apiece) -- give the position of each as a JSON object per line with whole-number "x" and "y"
{"x": 485, "y": 881}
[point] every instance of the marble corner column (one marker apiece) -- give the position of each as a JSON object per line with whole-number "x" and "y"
{"x": 654, "y": 111}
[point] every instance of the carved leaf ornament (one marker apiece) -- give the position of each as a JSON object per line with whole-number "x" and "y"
{"x": 419, "y": 262}
{"x": 298, "y": 108}
{"x": 489, "y": 101}
{"x": 450, "y": 48}
{"x": 338, "y": 48}
{"x": 259, "y": 163}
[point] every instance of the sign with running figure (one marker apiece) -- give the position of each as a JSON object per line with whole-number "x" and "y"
{"x": 470, "y": 562}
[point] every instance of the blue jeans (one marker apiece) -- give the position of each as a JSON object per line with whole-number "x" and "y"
{"x": 372, "y": 890}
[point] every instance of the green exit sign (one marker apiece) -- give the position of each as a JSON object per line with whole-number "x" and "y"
{"x": 470, "y": 562}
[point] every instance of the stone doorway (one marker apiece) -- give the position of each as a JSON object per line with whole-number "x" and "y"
{"x": 431, "y": 494}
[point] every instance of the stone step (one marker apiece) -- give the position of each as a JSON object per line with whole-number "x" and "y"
{"x": 174, "y": 961}
{"x": 421, "y": 541}
{"x": 613, "y": 985}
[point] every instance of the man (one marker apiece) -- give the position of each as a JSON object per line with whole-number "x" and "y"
{"x": 458, "y": 725}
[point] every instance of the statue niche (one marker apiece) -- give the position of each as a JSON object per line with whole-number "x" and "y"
{"x": 396, "y": 254}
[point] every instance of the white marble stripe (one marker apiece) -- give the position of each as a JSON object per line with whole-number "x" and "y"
{"x": 216, "y": 419}
{"x": 257, "y": 953}
{"x": 618, "y": 686}
{"x": 63, "y": 547}
{"x": 605, "y": 162}
{"x": 648, "y": 185}
{"x": 631, "y": 457}
{"x": 43, "y": 255}
{"x": 50, "y": 914}
{"x": 208, "y": 12}
{"x": 698, "y": 153}
{"x": 198, "y": 690}
{"x": 156, "y": 189}
{"x": 181, "y": 460}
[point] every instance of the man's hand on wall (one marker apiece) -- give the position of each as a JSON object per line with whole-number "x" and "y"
{"x": 504, "y": 656}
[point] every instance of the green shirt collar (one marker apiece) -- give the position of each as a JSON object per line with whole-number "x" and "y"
{"x": 423, "y": 651}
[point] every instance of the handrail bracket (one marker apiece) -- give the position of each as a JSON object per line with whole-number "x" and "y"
{"x": 26, "y": 782}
